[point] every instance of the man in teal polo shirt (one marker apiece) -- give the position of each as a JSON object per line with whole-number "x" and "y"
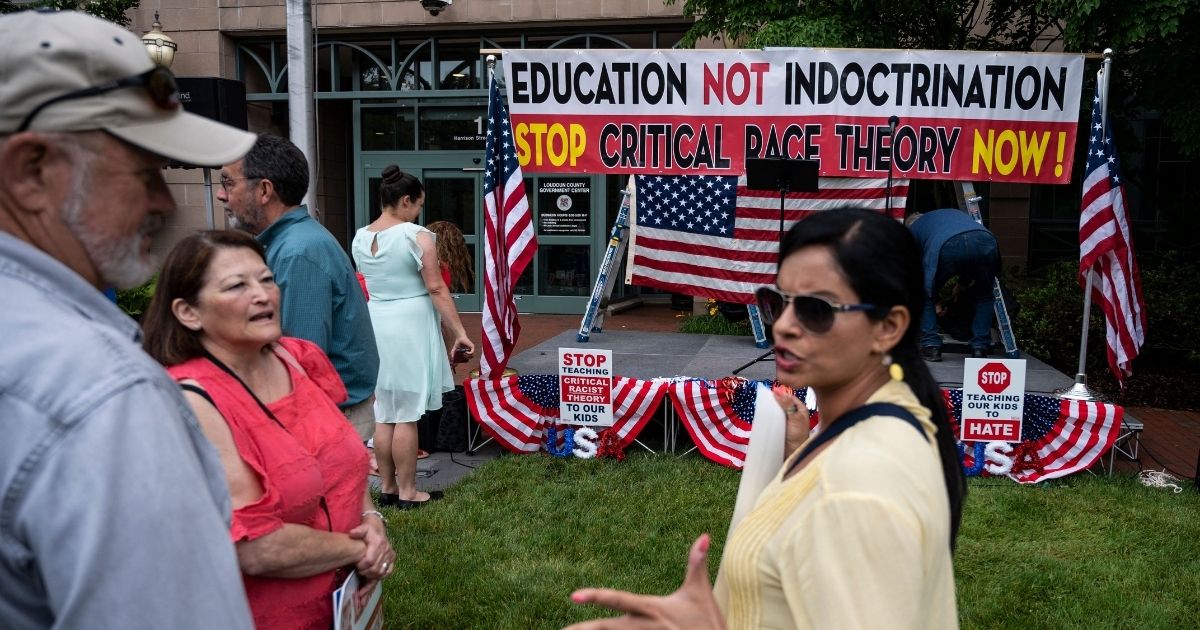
{"x": 322, "y": 300}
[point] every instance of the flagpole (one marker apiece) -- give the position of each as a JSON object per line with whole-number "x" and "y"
{"x": 491, "y": 75}
{"x": 510, "y": 238}
{"x": 1080, "y": 391}
{"x": 491, "y": 78}
{"x": 499, "y": 245}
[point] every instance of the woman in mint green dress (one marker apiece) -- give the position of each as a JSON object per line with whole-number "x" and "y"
{"x": 409, "y": 304}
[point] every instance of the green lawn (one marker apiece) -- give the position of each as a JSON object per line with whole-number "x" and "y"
{"x": 1084, "y": 552}
{"x": 507, "y": 546}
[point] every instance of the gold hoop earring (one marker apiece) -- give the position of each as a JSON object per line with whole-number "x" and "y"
{"x": 894, "y": 369}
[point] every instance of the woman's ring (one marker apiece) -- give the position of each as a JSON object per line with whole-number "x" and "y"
{"x": 386, "y": 566}
{"x": 793, "y": 409}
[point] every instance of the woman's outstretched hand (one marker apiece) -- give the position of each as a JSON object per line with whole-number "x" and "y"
{"x": 692, "y": 607}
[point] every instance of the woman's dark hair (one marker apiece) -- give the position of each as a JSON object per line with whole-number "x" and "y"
{"x": 397, "y": 185}
{"x": 881, "y": 261}
{"x": 182, "y": 277}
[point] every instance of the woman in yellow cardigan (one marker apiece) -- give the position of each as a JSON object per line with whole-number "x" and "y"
{"x": 857, "y": 528}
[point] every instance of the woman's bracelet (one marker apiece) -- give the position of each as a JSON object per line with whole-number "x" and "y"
{"x": 375, "y": 513}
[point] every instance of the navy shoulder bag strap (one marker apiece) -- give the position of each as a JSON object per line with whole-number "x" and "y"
{"x": 851, "y": 418}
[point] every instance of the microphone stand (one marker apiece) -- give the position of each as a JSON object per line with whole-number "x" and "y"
{"x": 892, "y": 122}
{"x": 784, "y": 189}
{"x": 784, "y": 176}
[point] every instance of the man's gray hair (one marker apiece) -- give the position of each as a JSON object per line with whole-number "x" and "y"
{"x": 280, "y": 161}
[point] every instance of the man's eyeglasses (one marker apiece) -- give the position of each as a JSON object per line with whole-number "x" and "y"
{"x": 814, "y": 312}
{"x": 228, "y": 182}
{"x": 158, "y": 82}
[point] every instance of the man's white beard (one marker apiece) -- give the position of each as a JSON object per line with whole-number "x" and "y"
{"x": 120, "y": 262}
{"x": 232, "y": 222}
{"x": 255, "y": 216}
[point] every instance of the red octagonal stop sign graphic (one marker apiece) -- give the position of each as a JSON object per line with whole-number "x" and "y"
{"x": 994, "y": 377}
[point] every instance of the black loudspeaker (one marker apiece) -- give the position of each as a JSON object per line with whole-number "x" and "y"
{"x": 223, "y": 100}
{"x": 782, "y": 175}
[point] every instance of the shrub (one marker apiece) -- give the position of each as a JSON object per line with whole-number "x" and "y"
{"x": 1166, "y": 369}
{"x": 712, "y": 322}
{"x": 134, "y": 301}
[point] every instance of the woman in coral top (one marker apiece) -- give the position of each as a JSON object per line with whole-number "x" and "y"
{"x": 302, "y": 515}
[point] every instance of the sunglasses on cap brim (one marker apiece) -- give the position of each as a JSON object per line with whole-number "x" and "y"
{"x": 158, "y": 82}
{"x": 815, "y": 313}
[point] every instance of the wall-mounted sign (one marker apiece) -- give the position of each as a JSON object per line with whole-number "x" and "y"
{"x": 563, "y": 205}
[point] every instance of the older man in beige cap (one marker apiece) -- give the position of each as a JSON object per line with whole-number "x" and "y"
{"x": 113, "y": 506}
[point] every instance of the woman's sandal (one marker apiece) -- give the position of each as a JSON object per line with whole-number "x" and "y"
{"x": 401, "y": 504}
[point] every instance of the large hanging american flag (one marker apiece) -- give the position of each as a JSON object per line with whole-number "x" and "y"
{"x": 509, "y": 240}
{"x": 711, "y": 236}
{"x": 1106, "y": 247}
{"x": 516, "y": 410}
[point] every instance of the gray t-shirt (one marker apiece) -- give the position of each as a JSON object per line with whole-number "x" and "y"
{"x": 114, "y": 511}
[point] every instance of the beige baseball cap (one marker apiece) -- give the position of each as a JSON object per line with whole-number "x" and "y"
{"x": 47, "y": 55}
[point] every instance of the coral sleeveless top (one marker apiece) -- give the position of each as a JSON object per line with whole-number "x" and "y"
{"x": 311, "y": 464}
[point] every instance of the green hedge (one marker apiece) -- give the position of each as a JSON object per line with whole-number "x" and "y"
{"x": 134, "y": 301}
{"x": 1165, "y": 372}
{"x": 713, "y": 322}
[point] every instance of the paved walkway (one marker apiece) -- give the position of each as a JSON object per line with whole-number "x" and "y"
{"x": 1170, "y": 439}
{"x": 442, "y": 470}
{"x": 536, "y": 329}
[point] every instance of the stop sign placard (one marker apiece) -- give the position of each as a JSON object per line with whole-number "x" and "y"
{"x": 994, "y": 377}
{"x": 993, "y": 404}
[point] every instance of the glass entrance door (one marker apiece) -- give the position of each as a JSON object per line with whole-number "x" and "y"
{"x": 451, "y": 194}
{"x": 454, "y": 195}
{"x": 568, "y": 215}
{"x": 565, "y": 218}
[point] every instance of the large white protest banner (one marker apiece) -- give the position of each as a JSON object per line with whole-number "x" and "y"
{"x": 963, "y": 115}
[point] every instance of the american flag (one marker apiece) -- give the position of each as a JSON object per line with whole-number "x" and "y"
{"x": 711, "y": 236}
{"x": 516, "y": 410}
{"x": 1061, "y": 437}
{"x": 509, "y": 240}
{"x": 718, "y": 415}
{"x": 1066, "y": 435}
{"x": 1106, "y": 248}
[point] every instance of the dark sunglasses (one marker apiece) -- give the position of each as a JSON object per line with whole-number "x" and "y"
{"x": 814, "y": 312}
{"x": 158, "y": 82}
